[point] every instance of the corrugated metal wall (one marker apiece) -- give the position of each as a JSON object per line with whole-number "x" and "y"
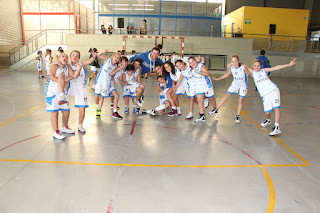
{"x": 10, "y": 23}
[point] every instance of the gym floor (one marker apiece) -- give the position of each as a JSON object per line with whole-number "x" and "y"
{"x": 160, "y": 164}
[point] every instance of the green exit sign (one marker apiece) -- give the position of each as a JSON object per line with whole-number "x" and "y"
{"x": 247, "y": 21}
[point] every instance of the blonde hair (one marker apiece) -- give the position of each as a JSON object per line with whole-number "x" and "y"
{"x": 116, "y": 54}
{"x": 77, "y": 51}
{"x": 257, "y": 60}
{"x": 235, "y": 56}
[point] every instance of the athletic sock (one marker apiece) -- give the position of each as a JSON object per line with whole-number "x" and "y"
{"x": 178, "y": 107}
{"x": 277, "y": 124}
{"x": 115, "y": 110}
{"x": 134, "y": 106}
{"x": 174, "y": 107}
{"x": 161, "y": 107}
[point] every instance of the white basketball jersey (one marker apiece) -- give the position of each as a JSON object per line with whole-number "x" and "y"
{"x": 189, "y": 75}
{"x": 175, "y": 77}
{"x": 131, "y": 79}
{"x": 48, "y": 62}
{"x": 263, "y": 82}
{"x": 82, "y": 76}
{"x": 240, "y": 77}
{"x": 104, "y": 76}
{"x": 53, "y": 85}
{"x": 39, "y": 61}
{"x": 201, "y": 80}
{"x": 118, "y": 75}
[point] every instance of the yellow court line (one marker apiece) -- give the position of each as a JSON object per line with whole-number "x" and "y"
{"x": 13, "y": 119}
{"x": 272, "y": 194}
{"x": 276, "y": 139}
{"x": 146, "y": 165}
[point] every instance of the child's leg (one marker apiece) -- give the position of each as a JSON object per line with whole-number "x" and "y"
{"x": 200, "y": 98}
{"x": 126, "y": 101}
{"x": 115, "y": 100}
{"x": 169, "y": 93}
{"x": 240, "y": 104}
{"x": 139, "y": 92}
{"x": 176, "y": 100}
{"x": 223, "y": 100}
{"x": 268, "y": 115}
{"x": 54, "y": 120}
{"x": 82, "y": 112}
{"x": 213, "y": 101}
{"x": 65, "y": 118}
{"x": 101, "y": 99}
{"x": 97, "y": 99}
{"x": 277, "y": 115}
{"x": 142, "y": 88}
{"x": 38, "y": 73}
{"x": 61, "y": 82}
{"x": 111, "y": 100}
{"x": 191, "y": 104}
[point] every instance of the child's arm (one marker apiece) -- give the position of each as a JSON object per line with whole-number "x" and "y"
{"x": 159, "y": 90}
{"x": 85, "y": 63}
{"x": 52, "y": 72}
{"x": 293, "y": 62}
{"x": 204, "y": 71}
{"x": 115, "y": 71}
{"x": 248, "y": 70}
{"x": 139, "y": 78}
{"x": 50, "y": 60}
{"x": 72, "y": 74}
{"x": 37, "y": 58}
{"x": 104, "y": 57}
{"x": 225, "y": 75}
{"x": 178, "y": 84}
{"x": 123, "y": 79}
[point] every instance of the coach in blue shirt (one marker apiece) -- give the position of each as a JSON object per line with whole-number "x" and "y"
{"x": 264, "y": 60}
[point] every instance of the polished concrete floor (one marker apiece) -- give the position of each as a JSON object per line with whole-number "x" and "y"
{"x": 145, "y": 164}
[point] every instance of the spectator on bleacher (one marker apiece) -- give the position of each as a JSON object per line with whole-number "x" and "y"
{"x": 143, "y": 29}
{"x": 110, "y": 29}
{"x": 103, "y": 29}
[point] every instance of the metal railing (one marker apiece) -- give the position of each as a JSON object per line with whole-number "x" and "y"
{"x": 266, "y": 42}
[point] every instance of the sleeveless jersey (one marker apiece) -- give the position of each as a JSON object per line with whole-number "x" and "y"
{"x": 52, "y": 86}
{"x": 118, "y": 75}
{"x": 188, "y": 75}
{"x": 263, "y": 82}
{"x": 175, "y": 77}
{"x": 240, "y": 77}
{"x": 48, "y": 63}
{"x": 131, "y": 79}
{"x": 104, "y": 77}
{"x": 82, "y": 76}
{"x": 201, "y": 80}
{"x": 39, "y": 61}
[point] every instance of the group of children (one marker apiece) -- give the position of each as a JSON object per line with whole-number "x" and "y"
{"x": 176, "y": 79}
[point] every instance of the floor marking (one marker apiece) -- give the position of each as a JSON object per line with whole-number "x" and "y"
{"x": 31, "y": 110}
{"x": 276, "y": 139}
{"x": 121, "y": 169}
{"x": 18, "y": 142}
{"x": 272, "y": 194}
{"x": 151, "y": 165}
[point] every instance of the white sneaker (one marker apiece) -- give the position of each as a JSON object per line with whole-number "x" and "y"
{"x": 237, "y": 119}
{"x": 152, "y": 112}
{"x": 265, "y": 123}
{"x": 275, "y": 131}
{"x": 67, "y": 130}
{"x": 81, "y": 129}
{"x": 138, "y": 101}
{"x": 206, "y": 103}
{"x": 57, "y": 135}
{"x": 214, "y": 112}
{"x": 201, "y": 118}
{"x": 189, "y": 116}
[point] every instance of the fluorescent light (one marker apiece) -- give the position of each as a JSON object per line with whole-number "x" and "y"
{"x": 144, "y": 9}
{"x": 147, "y": 5}
{"x": 123, "y": 8}
{"x": 119, "y": 4}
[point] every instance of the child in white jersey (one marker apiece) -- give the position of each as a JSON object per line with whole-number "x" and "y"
{"x": 77, "y": 85}
{"x": 131, "y": 87}
{"x": 269, "y": 92}
{"x": 48, "y": 60}
{"x": 189, "y": 87}
{"x": 57, "y": 72}
{"x": 39, "y": 64}
{"x": 104, "y": 87}
{"x": 162, "y": 89}
{"x": 204, "y": 87}
{"x": 238, "y": 85}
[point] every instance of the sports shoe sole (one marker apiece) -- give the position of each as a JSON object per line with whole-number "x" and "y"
{"x": 117, "y": 118}
{"x": 83, "y": 132}
{"x": 68, "y": 132}
{"x": 58, "y": 138}
{"x": 275, "y": 133}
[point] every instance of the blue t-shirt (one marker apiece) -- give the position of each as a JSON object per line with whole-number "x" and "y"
{"x": 264, "y": 60}
{"x": 147, "y": 65}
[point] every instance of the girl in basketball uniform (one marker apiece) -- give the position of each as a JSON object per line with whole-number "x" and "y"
{"x": 48, "y": 60}
{"x": 162, "y": 72}
{"x": 175, "y": 76}
{"x": 162, "y": 89}
{"x": 204, "y": 87}
{"x": 269, "y": 92}
{"x": 238, "y": 85}
{"x": 59, "y": 72}
{"x": 104, "y": 88}
{"x": 39, "y": 64}
{"x": 77, "y": 85}
{"x": 118, "y": 76}
{"x": 131, "y": 87}
{"x": 187, "y": 83}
